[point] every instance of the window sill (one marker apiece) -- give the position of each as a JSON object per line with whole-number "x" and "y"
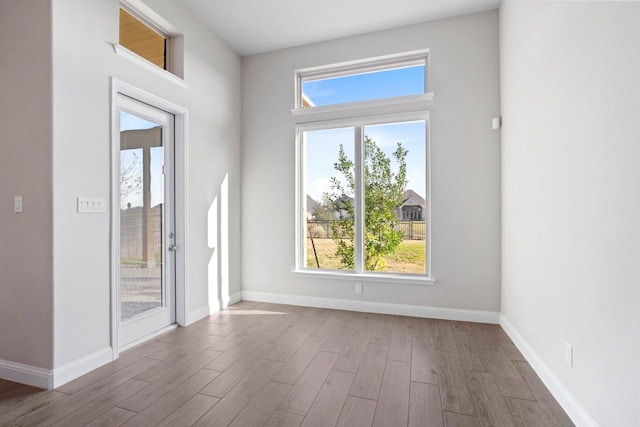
{"x": 385, "y": 278}
{"x": 126, "y": 53}
{"x": 409, "y": 102}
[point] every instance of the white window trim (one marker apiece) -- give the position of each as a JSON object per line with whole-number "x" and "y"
{"x": 359, "y": 274}
{"x": 148, "y": 65}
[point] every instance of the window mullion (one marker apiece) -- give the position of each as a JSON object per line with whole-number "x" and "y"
{"x": 301, "y": 208}
{"x": 359, "y": 201}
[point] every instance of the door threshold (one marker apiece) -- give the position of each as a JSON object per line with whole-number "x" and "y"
{"x": 149, "y": 337}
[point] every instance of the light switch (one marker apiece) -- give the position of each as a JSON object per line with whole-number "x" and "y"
{"x": 17, "y": 204}
{"x": 91, "y": 205}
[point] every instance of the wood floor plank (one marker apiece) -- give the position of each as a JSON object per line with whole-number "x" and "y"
{"x": 51, "y": 413}
{"x": 288, "y": 343}
{"x": 512, "y": 352}
{"x": 490, "y": 334}
{"x": 114, "y": 417}
{"x": 328, "y": 405}
{"x": 33, "y": 404}
{"x": 186, "y": 353}
{"x": 350, "y": 358}
{"x": 238, "y": 356}
{"x": 301, "y": 396}
{"x": 393, "y": 403}
{"x": 451, "y": 419}
{"x": 454, "y": 391}
{"x": 237, "y": 337}
{"x": 383, "y": 329}
{"x": 232, "y": 376}
{"x": 470, "y": 351}
{"x": 423, "y": 357}
{"x": 369, "y": 377}
{"x": 528, "y": 414}
{"x": 542, "y": 395}
{"x": 258, "y": 412}
{"x": 101, "y": 405}
{"x": 401, "y": 338}
{"x": 257, "y": 335}
{"x": 490, "y": 406}
{"x": 153, "y": 391}
{"x": 295, "y": 366}
{"x": 507, "y": 377}
{"x": 237, "y": 399}
{"x": 189, "y": 413}
{"x": 14, "y": 394}
{"x": 165, "y": 405}
{"x": 443, "y": 336}
{"x": 339, "y": 340}
{"x": 425, "y": 409}
{"x": 457, "y": 326}
{"x": 357, "y": 412}
{"x": 284, "y": 419}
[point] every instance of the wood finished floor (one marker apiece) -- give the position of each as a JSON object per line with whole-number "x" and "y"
{"x": 259, "y": 364}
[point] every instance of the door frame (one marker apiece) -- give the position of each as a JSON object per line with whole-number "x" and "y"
{"x": 180, "y": 172}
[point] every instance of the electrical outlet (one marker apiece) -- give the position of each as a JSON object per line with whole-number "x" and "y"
{"x": 358, "y": 288}
{"x": 568, "y": 353}
{"x": 17, "y": 204}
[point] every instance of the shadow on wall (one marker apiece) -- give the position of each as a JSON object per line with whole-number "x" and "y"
{"x": 218, "y": 240}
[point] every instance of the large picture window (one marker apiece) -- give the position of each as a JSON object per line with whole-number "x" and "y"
{"x": 364, "y": 197}
{"x": 362, "y": 170}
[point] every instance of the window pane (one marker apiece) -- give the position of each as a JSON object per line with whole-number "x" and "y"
{"x": 329, "y": 189}
{"x": 395, "y": 198}
{"x": 141, "y": 39}
{"x": 141, "y": 215}
{"x": 367, "y": 86}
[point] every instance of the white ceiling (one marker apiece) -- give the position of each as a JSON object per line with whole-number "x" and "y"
{"x": 255, "y": 26}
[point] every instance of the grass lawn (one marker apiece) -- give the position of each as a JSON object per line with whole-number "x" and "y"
{"x": 409, "y": 257}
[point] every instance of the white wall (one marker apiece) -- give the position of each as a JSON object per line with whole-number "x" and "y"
{"x": 465, "y": 164}
{"x": 83, "y": 62}
{"x": 25, "y": 169}
{"x": 571, "y": 202}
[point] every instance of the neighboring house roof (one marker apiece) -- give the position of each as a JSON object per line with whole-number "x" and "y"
{"x": 411, "y": 198}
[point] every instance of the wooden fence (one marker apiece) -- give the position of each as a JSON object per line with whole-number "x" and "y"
{"x": 413, "y": 230}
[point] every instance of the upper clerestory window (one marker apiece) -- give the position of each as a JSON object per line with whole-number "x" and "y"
{"x": 376, "y": 79}
{"x": 143, "y": 40}
{"x": 146, "y": 37}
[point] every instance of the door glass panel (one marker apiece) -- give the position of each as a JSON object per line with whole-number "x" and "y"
{"x": 141, "y": 216}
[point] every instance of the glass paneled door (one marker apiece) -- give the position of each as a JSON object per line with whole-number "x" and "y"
{"x": 146, "y": 211}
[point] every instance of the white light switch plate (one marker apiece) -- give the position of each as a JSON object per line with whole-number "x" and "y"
{"x": 17, "y": 204}
{"x": 92, "y": 205}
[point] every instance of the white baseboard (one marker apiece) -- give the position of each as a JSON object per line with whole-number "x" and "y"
{"x": 234, "y": 298}
{"x": 77, "y": 368}
{"x": 49, "y": 379}
{"x": 206, "y": 310}
{"x": 376, "y": 307}
{"x": 26, "y": 374}
{"x": 565, "y": 398}
{"x": 197, "y": 314}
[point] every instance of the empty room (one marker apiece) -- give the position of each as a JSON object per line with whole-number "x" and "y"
{"x": 295, "y": 213}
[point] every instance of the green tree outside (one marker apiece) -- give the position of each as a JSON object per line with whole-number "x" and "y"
{"x": 383, "y": 191}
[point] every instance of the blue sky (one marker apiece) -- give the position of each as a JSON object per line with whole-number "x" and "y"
{"x": 362, "y": 87}
{"x": 131, "y": 122}
{"x": 322, "y": 146}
